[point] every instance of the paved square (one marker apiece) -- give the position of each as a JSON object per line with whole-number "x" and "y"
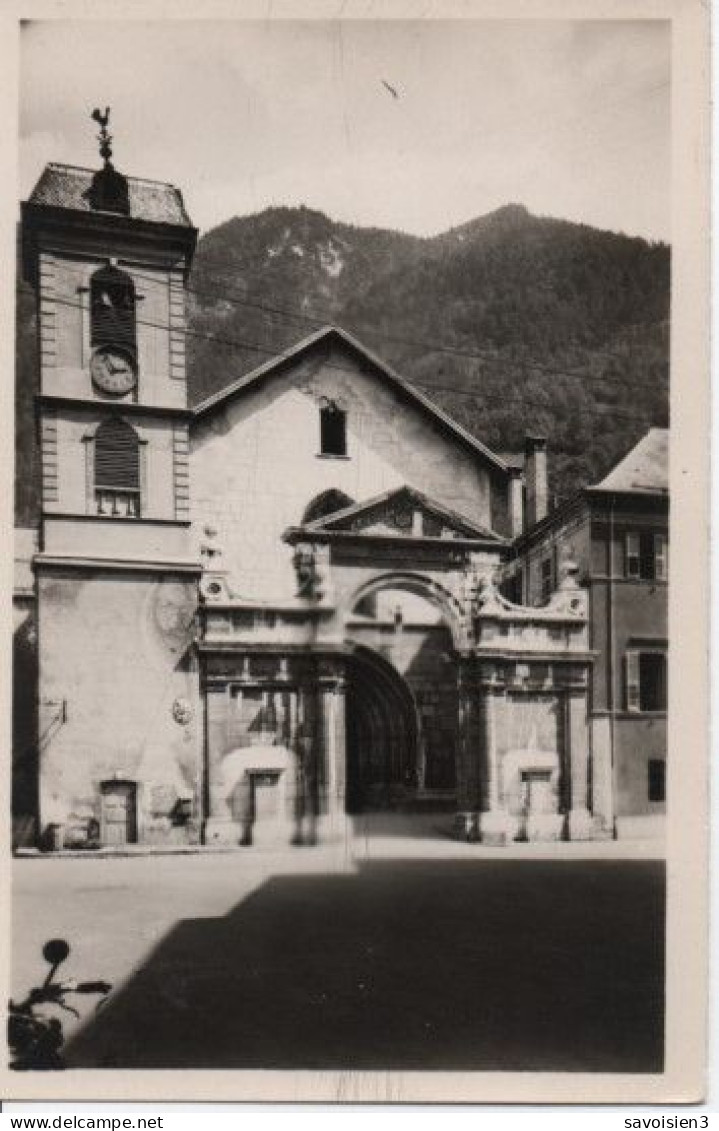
{"x": 473, "y": 963}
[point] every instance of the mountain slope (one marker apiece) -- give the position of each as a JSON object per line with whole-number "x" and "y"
{"x": 512, "y": 323}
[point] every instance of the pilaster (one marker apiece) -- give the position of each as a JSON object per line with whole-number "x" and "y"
{"x": 493, "y": 819}
{"x": 468, "y": 770}
{"x": 579, "y": 825}
{"x": 333, "y": 711}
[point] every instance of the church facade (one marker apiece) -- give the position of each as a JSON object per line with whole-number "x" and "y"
{"x": 255, "y": 619}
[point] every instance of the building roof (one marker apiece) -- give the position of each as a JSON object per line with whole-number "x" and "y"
{"x": 328, "y": 334}
{"x": 67, "y": 186}
{"x": 644, "y": 469}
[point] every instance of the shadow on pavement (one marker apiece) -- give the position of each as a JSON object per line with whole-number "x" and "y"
{"x": 477, "y": 965}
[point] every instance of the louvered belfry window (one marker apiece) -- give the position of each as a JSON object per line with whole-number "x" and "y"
{"x": 117, "y": 469}
{"x": 112, "y": 310}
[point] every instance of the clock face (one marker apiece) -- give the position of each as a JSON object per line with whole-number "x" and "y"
{"x": 113, "y": 370}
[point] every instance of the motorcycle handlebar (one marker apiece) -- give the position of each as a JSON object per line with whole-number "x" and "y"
{"x": 56, "y": 991}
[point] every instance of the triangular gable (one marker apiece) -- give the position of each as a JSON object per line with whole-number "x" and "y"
{"x": 403, "y": 512}
{"x": 334, "y": 335}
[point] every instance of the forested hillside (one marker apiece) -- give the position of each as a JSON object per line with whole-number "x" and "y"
{"x": 512, "y": 323}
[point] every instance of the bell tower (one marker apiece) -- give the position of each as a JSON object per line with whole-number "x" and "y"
{"x": 108, "y": 256}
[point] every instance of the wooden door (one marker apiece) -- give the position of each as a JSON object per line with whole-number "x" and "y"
{"x": 119, "y": 813}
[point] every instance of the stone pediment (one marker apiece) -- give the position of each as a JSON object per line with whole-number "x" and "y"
{"x": 402, "y": 513}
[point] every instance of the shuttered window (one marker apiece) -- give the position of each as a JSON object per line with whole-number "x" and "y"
{"x": 645, "y": 555}
{"x": 631, "y": 675}
{"x": 117, "y": 469}
{"x": 660, "y": 557}
{"x": 112, "y": 310}
{"x": 632, "y": 555}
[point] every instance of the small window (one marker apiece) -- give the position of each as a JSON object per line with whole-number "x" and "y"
{"x": 645, "y": 555}
{"x": 646, "y": 681}
{"x": 333, "y": 431}
{"x": 547, "y": 578}
{"x": 112, "y": 310}
{"x": 657, "y": 780}
{"x": 117, "y": 470}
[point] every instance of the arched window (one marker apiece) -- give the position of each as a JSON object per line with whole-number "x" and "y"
{"x": 333, "y": 430}
{"x": 117, "y": 469}
{"x": 326, "y": 503}
{"x": 112, "y": 310}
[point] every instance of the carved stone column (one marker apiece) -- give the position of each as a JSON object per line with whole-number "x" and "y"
{"x": 493, "y": 822}
{"x": 577, "y": 731}
{"x": 307, "y": 748}
{"x": 222, "y": 823}
{"x": 333, "y": 698}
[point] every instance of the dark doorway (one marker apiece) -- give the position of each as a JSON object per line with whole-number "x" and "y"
{"x": 381, "y": 734}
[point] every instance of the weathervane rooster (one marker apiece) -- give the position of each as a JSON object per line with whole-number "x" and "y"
{"x": 103, "y": 137}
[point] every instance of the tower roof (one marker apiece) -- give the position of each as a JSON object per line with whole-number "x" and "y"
{"x": 69, "y": 187}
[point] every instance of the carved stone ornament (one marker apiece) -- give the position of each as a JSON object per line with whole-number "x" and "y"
{"x": 570, "y": 597}
{"x": 211, "y": 551}
{"x": 214, "y": 586}
{"x": 182, "y": 712}
{"x": 488, "y": 598}
{"x": 310, "y": 575}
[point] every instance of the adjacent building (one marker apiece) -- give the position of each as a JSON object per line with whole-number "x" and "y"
{"x": 617, "y": 532}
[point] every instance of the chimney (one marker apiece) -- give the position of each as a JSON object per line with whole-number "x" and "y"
{"x": 516, "y": 501}
{"x": 535, "y": 477}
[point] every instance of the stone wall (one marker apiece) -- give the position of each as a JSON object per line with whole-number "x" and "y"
{"x": 119, "y": 701}
{"x": 275, "y": 747}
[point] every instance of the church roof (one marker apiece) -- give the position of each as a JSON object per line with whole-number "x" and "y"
{"x": 328, "y": 334}
{"x": 644, "y": 469}
{"x": 68, "y": 186}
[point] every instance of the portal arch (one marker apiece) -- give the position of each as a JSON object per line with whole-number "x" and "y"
{"x": 422, "y": 585}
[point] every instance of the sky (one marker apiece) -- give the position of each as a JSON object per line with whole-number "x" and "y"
{"x": 569, "y": 118}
